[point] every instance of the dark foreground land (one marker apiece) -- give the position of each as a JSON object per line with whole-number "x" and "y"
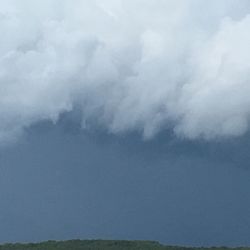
{"x": 102, "y": 245}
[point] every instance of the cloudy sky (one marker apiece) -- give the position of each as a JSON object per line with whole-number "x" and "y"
{"x": 125, "y": 120}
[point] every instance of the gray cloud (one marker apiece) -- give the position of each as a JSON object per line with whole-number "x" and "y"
{"x": 129, "y": 65}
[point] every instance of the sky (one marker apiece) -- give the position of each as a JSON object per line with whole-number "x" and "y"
{"x": 62, "y": 182}
{"x": 125, "y": 120}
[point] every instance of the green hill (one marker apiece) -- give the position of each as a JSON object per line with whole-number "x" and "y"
{"x": 101, "y": 245}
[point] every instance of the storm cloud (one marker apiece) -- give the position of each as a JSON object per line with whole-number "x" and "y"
{"x": 128, "y": 65}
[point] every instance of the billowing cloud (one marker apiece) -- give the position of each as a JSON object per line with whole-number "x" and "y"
{"x": 130, "y": 65}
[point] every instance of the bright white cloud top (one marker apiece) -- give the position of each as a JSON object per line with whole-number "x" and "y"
{"x": 130, "y": 65}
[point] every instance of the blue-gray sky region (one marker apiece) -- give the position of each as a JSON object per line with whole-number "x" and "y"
{"x": 61, "y": 182}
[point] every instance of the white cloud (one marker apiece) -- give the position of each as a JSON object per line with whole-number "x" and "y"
{"x": 130, "y": 65}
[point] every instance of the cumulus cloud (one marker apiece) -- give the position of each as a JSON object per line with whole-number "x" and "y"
{"x": 130, "y": 65}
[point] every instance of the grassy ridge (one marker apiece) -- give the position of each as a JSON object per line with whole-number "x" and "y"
{"x": 101, "y": 245}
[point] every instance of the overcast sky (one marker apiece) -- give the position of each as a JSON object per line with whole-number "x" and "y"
{"x": 125, "y": 120}
{"x": 60, "y": 182}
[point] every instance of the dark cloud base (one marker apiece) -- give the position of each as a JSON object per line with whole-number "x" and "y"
{"x": 61, "y": 182}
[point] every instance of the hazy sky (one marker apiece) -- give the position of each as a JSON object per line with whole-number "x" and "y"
{"x": 60, "y": 182}
{"x": 125, "y": 120}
